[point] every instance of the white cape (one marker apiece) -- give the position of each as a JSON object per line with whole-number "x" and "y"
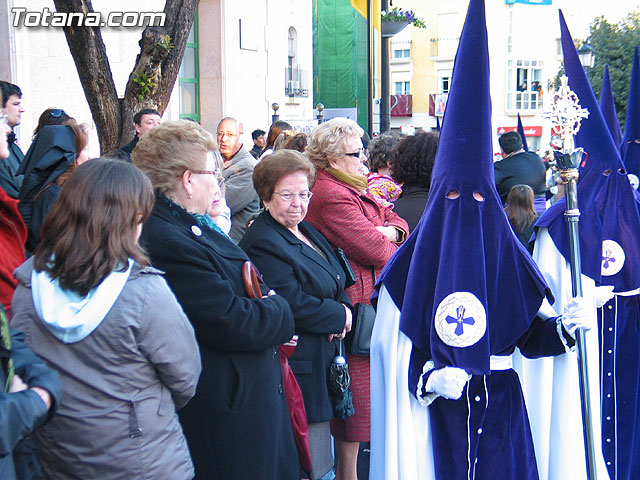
{"x": 400, "y": 430}
{"x": 551, "y": 384}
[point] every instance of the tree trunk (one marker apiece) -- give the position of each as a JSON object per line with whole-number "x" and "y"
{"x": 156, "y": 67}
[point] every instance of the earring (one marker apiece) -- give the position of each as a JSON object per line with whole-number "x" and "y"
{"x": 190, "y": 196}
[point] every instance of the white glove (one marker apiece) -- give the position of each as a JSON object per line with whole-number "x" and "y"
{"x": 448, "y": 382}
{"x": 578, "y": 314}
{"x": 603, "y": 295}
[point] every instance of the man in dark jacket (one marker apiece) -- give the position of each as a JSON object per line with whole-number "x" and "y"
{"x": 259, "y": 141}
{"x": 519, "y": 167}
{"x": 11, "y": 107}
{"x": 143, "y": 121}
{"x": 30, "y": 396}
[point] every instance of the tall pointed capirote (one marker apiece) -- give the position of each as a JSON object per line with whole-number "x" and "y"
{"x": 630, "y": 144}
{"x": 607, "y": 205}
{"x": 608, "y": 108}
{"x": 463, "y": 252}
{"x": 525, "y": 147}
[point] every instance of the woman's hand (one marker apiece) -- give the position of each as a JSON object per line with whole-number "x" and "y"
{"x": 17, "y": 385}
{"x": 347, "y": 325}
{"x": 390, "y": 232}
{"x": 44, "y": 395}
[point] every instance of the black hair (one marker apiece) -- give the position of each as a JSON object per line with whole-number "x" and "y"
{"x": 137, "y": 118}
{"x": 256, "y": 133}
{"x": 510, "y": 142}
{"x": 412, "y": 158}
{"x": 9, "y": 89}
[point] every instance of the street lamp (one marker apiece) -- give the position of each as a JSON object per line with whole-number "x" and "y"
{"x": 587, "y": 55}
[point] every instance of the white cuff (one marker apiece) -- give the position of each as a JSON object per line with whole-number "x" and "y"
{"x": 428, "y": 398}
{"x": 563, "y": 339}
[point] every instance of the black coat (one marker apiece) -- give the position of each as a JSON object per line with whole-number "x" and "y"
{"x": 314, "y": 288}
{"x": 411, "y": 203}
{"x": 524, "y": 168}
{"x": 10, "y": 181}
{"x": 237, "y": 425}
{"x": 50, "y": 155}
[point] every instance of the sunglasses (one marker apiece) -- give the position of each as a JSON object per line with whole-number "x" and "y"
{"x": 357, "y": 154}
{"x": 56, "y": 112}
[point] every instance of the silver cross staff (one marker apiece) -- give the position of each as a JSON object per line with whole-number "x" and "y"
{"x": 566, "y": 117}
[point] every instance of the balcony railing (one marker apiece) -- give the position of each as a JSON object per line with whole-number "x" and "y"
{"x": 401, "y": 105}
{"x": 296, "y": 82}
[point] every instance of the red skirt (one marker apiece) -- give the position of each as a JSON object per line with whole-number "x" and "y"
{"x": 356, "y": 428}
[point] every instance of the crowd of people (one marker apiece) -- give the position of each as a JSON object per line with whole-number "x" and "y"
{"x": 174, "y": 309}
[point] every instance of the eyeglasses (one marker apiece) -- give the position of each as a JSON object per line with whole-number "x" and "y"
{"x": 211, "y": 172}
{"x": 289, "y": 196}
{"x": 229, "y": 135}
{"x": 56, "y": 112}
{"x": 357, "y": 154}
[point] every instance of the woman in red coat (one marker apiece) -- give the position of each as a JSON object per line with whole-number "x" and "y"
{"x": 13, "y": 232}
{"x": 369, "y": 234}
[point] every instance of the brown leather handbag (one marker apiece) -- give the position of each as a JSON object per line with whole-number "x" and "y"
{"x": 297, "y": 413}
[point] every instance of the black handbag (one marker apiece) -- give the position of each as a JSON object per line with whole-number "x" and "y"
{"x": 350, "y": 277}
{"x": 358, "y": 340}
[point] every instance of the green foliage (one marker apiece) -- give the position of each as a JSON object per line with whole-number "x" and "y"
{"x": 614, "y": 46}
{"x": 146, "y": 84}
{"x": 165, "y": 42}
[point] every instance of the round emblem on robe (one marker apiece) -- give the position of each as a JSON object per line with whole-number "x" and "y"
{"x": 612, "y": 258}
{"x": 196, "y": 230}
{"x": 461, "y": 319}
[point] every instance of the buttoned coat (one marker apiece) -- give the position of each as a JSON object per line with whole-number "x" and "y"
{"x": 237, "y": 425}
{"x": 314, "y": 288}
{"x": 348, "y": 219}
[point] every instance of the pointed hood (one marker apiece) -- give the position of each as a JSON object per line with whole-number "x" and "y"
{"x": 630, "y": 145}
{"x": 609, "y": 224}
{"x": 522, "y": 135}
{"x": 464, "y": 284}
{"x": 608, "y": 108}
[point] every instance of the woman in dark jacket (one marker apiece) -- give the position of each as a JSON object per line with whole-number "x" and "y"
{"x": 411, "y": 164}
{"x": 59, "y": 145}
{"x": 351, "y": 219}
{"x": 237, "y": 425}
{"x": 298, "y": 262}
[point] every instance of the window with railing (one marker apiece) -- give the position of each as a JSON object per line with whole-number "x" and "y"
{"x": 402, "y": 88}
{"x": 524, "y": 84}
{"x": 296, "y": 82}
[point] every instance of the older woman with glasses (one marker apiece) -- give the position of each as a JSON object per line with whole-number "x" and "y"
{"x": 237, "y": 425}
{"x": 351, "y": 219}
{"x": 299, "y": 263}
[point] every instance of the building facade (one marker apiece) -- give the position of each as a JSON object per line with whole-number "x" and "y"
{"x": 241, "y": 57}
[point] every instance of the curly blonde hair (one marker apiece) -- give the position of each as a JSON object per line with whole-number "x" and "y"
{"x": 327, "y": 141}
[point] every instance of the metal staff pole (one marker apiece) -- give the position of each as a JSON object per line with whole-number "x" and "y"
{"x": 567, "y": 115}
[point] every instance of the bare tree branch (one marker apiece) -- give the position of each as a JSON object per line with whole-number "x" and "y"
{"x": 151, "y": 81}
